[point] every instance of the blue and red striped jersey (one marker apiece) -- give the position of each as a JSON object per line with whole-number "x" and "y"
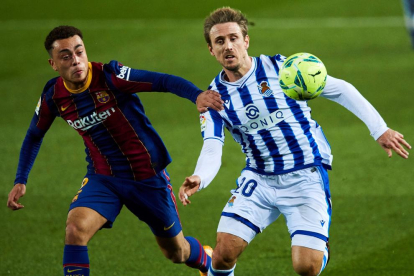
{"x": 119, "y": 138}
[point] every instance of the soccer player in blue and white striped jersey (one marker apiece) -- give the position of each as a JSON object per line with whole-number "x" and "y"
{"x": 287, "y": 154}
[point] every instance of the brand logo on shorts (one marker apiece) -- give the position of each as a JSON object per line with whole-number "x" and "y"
{"x": 322, "y": 223}
{"x": 169, "y": 227}
{"x": 231, "y": 201}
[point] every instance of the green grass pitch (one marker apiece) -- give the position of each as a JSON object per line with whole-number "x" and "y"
{"x": 372, "y": 229}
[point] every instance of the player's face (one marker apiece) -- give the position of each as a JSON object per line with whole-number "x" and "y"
{"x": 229, "y": 46}
{"x": 70, "y": 60}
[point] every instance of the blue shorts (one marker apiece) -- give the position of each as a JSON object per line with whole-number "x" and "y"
{"x": 151, "y": 200}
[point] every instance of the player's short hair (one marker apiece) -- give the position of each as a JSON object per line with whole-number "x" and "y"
{"x": 224, "y": 15}
{"x": 60, "y": 32}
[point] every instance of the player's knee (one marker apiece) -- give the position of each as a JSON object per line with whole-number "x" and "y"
{"x": 75, "y": 234}
{"x": 223, "y": 261}
{"x": 307, "y": 268}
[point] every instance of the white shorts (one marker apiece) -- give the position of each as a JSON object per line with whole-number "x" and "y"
{"x": 302, "y": 196}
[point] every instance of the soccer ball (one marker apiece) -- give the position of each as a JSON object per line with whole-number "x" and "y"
{"x": 302, "y": 76}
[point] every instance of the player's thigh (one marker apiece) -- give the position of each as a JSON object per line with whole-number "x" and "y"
{"x": 251, "y": 205}
{"x": 306, "y": 207}
{"x": 84, "y": 221}
{"x": 153, "y": 202}
{"x": 98, "y": 193}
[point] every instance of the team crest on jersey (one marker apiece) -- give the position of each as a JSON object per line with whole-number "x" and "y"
{"x": 203, "y": 122}
{"x": 264, "y": 89}
{"x": 102, "y": 96}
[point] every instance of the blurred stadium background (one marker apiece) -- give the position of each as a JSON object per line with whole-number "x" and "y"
{"x": 373, "y": 197}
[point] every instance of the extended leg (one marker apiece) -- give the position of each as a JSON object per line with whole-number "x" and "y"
{"x": 81, "y": 225}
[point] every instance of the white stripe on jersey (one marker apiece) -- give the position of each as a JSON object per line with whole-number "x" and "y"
{"x": 276, "y": 133}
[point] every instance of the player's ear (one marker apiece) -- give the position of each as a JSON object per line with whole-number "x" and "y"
{"x": 210, "y": 49}
{"x": 52, "y": 64}
{"x": 247, "y": 41}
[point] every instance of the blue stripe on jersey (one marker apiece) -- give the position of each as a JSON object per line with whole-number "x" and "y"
{"x": 292, "y": 143}
{"x": 218, "y": 123}
{"x": 273, "y": 149}
{"x": 245, "y": 96}
{"x": 270, "y": 101}
{"x": 271, "y": 104}
{"x": 256, "y": 153}
{"x": 299, "y": 116}
{"x": 103, "y": 140}
{"x": 242, "y": 143}
{"x": 225, "y": 96}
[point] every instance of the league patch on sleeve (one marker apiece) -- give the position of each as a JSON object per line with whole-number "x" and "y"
{"x": 203, "y": 122}
{"x": 38, "y": 106}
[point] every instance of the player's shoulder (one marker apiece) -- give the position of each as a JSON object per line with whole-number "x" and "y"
{"x": 49, "y": 86}
{"x": 117, "y": 68}
{"x": 274, "y": 58}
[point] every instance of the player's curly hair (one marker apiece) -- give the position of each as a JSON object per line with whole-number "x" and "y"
{"x": 224, "y": 15}
{"x": 60, "y": 32}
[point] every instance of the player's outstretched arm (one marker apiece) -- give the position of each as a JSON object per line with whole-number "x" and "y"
{"x": 209, "y": 99}
{"x": 188, "y": 188}
{"x": 392, "y": 140}
{"x": 15, "y": 194}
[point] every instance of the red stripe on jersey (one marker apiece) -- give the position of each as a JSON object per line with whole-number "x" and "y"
{"x": 69, "y": 111}
{"x": 78, "y": 265}
{"x": 131, "y": 86}
{"x": 46, "y": 117}
{"x": 124, "y": 136}
{"x": 100, "y": 163}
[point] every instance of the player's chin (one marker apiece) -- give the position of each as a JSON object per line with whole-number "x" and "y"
{"x": 231, "y": 66}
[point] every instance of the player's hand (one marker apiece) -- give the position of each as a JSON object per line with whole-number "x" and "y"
{"x": 210, "y": 99}
{"x": 17, "y": 192}
{"x": 393, "y": 140}
{"x": 189, "y": 187}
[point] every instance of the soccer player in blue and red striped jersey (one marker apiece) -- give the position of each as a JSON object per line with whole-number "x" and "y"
{"x": 126, "y": 158}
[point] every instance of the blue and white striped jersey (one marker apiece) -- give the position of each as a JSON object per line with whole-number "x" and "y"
{"x": 276, "y": 133}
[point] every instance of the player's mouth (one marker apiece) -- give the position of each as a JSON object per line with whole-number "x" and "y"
{"x": 229, "y": 57}
{"x": 78, "y": 72}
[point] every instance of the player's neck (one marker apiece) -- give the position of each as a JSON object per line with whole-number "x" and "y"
{"x": 235, "y": 75}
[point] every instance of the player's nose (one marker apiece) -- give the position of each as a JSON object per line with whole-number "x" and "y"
{"x": 228, "y": 45}
{"x": 75, "y": 60}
